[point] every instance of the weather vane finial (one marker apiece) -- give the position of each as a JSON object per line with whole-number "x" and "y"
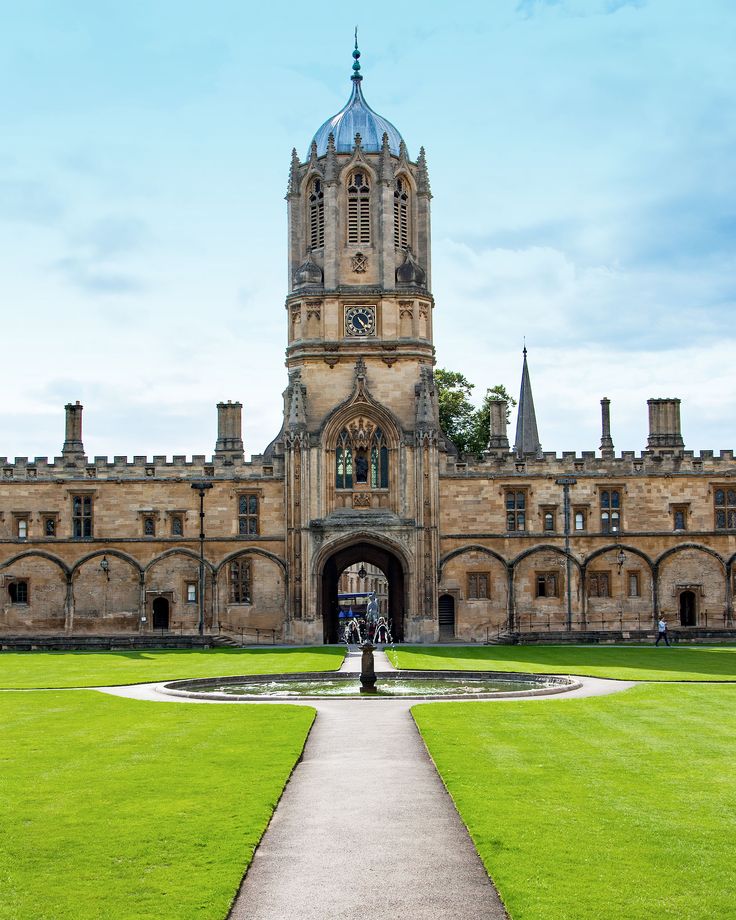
{"x": 356, "y": 56}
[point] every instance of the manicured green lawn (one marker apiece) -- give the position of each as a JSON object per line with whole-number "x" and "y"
{"x": 612, "y": 808}
{"x": 621, "y": 662}
{"x": 24, "y": 670}
{"x": 114, "y": 809}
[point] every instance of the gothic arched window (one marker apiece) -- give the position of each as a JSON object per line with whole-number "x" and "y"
{"x": 344, "y": 462}
{"x": 316, "y": 215}
{"x": 401, "y": 214}
{"x": 359, "y": 208}
{"x": 361, "y": 456}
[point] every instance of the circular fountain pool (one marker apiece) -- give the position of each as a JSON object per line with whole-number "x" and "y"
{"x": 448, "y": 685}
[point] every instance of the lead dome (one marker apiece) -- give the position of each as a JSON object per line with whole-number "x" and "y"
{"x": 357, "y": 117}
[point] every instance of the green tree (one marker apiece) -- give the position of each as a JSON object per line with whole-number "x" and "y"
{"x": 456, "y": 410}
{"x": 467, "y": 427}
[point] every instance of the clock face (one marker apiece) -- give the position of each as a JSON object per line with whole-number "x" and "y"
{"x": 360, "y": 321}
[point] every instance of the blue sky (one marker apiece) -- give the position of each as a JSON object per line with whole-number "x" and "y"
{"x": 581, "y": 154}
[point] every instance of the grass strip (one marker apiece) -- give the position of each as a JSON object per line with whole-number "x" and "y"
{"x": 116, "y": 809}
{"x": 620, "y": 807}
{"x": 49, "y": 670}
{"x": 691, "y": 663}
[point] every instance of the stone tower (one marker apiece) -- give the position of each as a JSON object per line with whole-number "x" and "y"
{"x": 360, "y": 435}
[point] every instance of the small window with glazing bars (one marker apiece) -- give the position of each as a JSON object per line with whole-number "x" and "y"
{"x": 515, "y": 511}
{"x": 610, "y": 510}
{"x": 247, "y": 514}
{"x": 81, "y": 517}
{"x": 240, "y": 582}
{"x": 724, "y": 501}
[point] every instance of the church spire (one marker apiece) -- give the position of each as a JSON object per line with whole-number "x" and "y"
{"x": 527, "y": 439}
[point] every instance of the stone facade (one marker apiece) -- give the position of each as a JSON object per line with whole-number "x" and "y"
{"x": 360, "y": 472}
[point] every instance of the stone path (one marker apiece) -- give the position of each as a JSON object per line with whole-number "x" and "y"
{"x": 365, "y": 827}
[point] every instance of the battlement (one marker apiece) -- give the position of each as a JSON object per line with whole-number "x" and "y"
{"x": 505, "y": 463}
{"x": 140, "y": 467}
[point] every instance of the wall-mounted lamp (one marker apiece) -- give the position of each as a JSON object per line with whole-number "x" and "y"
{"x": 105, "y": 566}
{"x": 362, "y": 572}
{"x": 621, "y": 559}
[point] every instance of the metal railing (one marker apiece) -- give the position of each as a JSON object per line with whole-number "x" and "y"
{"x": 602, "y": 622}
{"x": 247, "y": 633}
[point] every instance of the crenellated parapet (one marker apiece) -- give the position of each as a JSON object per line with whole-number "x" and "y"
{"x": 628, "y": 462}
{"x": 119, "y": 467}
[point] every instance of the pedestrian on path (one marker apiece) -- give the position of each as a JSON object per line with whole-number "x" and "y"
{"x": 662, "y": 632}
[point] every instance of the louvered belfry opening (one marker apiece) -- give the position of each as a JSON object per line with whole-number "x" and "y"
{"x": 401, "y": 214}
{"x": 359, "y": 211}
{"x": 316, "y": 215}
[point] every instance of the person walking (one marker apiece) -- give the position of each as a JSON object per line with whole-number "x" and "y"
{"x": 662, "y": 631}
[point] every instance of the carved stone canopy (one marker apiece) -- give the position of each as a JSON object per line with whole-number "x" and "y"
{"x": 361, "y": 431}
{"x": 410, "y": 271}
{"x": 308, "y": 273}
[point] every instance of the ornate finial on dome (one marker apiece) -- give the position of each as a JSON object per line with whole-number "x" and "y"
{"x": 356, "y": 57}
{"x": 356, "y": 115}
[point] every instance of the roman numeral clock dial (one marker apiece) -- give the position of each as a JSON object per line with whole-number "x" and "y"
{"x": 360, "y": 321}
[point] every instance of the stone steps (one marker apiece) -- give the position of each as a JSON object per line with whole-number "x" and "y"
{"x": 101, "y": 643}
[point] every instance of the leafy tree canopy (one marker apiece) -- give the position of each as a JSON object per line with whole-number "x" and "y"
{"x": 467, "y": 427}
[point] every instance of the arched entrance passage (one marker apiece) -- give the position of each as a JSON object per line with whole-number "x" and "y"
{"x": 688, "y": 610}
{"x": 160, "y": 613}
{"x": 386, "y": 561}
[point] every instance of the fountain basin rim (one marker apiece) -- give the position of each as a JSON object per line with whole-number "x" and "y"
{"x": 191, "y": 688}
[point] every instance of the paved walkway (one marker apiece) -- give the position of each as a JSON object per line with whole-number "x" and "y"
{"x": 365, "y": 828}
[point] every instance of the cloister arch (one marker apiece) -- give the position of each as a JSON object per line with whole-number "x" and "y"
{"x": 107, "y": 598}
{"x": 699, "y": 573}
{"x": 36, "y": 552}
{"x": 530, "y": 607}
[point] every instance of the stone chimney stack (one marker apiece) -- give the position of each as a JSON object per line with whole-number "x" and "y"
{"x": 606, "y": 439}
{"x": 664, "y": 425}
{"x": 229, "y": 444}
{"x": 498, "y": 441}
{"x": 73, "y": 448}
